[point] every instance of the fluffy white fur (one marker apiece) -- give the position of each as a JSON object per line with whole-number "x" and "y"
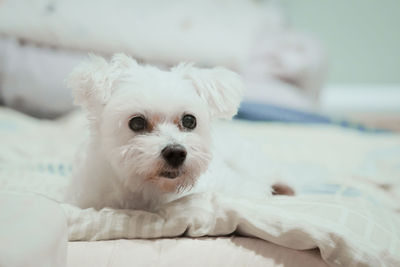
{"x": 120, "y": 168}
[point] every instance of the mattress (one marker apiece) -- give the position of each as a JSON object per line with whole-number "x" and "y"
{"x": 345, "y": 212}
{"x": 205, "y": 251}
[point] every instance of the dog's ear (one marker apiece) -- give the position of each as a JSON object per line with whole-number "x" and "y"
{"x": 93, "y": 81}
{"x": 221, "y": 88}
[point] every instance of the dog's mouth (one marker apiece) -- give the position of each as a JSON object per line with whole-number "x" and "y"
{"x": 170, "y": 174}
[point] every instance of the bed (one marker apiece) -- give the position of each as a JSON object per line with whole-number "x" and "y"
{"x": 347, "y": 177}
{"x": 346, "y": 212}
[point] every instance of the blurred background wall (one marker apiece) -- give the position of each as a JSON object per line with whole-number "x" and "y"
{"x": 361, "y": 37}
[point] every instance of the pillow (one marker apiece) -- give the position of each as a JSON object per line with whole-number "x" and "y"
{"x": 207, "y": 32}
{"x": 279, "y": 66}
{"x": 23, "y": 239}
{"x": 32, "y": 78}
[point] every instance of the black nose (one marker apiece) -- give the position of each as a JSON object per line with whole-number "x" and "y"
{"x": 175, "y": 155}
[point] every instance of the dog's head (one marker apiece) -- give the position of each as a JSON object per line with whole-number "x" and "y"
{"x": 153, "y": 126}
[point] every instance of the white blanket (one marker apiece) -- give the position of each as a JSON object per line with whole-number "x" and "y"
{"x": 345, "y": 207}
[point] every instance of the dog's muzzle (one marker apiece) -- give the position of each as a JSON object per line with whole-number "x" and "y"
{"x": 174, "y": 155}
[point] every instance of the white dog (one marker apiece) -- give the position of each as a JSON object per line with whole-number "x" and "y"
{"x": 150, "y": 135}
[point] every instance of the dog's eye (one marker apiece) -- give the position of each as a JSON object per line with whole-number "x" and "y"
{"x": 189, "y": 122}
{"x": 137, "y": 124}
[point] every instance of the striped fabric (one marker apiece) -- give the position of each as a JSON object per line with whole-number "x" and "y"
{"x": 347, "y": 183}
{"x": 347, "y": 231}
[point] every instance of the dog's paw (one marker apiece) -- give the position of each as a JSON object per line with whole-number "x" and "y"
{"x": 282, "y": 189}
